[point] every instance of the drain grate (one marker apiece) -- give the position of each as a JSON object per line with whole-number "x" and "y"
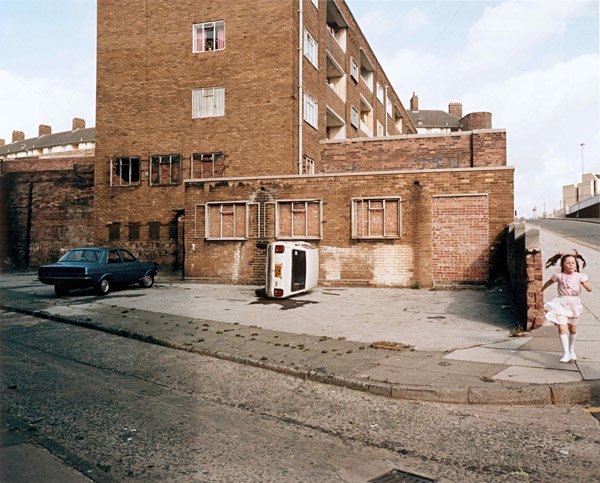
{"x": 399, "y": 476}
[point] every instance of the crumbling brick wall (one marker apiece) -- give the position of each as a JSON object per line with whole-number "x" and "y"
{"x": 47, "y": 209}
{"x": 525, "y": 273}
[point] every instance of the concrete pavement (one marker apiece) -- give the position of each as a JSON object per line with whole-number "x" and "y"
{"x": 447, "y": 346}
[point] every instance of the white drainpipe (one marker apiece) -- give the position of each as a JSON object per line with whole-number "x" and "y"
{"x": 385, "y": 108}
{"x": 300, "y": 94}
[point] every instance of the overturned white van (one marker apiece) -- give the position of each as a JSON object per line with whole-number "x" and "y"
{"x": 292, "y": 268}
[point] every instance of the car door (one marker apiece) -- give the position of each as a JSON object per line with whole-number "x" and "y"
{"x": 133, "y": 270}
{"x": 116, "y": 267}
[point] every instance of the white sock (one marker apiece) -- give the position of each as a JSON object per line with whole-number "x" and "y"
{"x": 564, "y": 341}
{"x": 572, "y": 338}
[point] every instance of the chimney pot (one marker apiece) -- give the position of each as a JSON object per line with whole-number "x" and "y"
{"x": 2, "y": 143}
{"x": 44, "y": 130}
{"x": 18, "y": 136}
{"x": 455, "y": 109}
{"x": 414, "y": 102}
{"x": 78, "y": 123}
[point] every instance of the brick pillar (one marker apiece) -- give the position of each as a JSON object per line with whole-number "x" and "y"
{"x": 44, "y": 130}
{"x": 78, "y": 123}
{"x": 18, "y": 136}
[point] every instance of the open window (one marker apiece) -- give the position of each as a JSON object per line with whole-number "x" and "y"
{"x": 125, "y": 171}
{"x": 209, "y": 36}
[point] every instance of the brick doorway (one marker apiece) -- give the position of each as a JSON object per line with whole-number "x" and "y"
{"x": 460, "y": 239}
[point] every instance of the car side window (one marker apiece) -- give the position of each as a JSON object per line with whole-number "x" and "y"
{"x": 126, "y": 256}
{"x": 113, "y": 257}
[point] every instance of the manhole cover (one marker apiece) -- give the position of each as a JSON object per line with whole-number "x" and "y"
{"x": 399, "y": 476}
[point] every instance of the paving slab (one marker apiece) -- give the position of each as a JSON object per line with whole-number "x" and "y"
{"x": 589, "y": 370}
{"x": 537, "y": 375}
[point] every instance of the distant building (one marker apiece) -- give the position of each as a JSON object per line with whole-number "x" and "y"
{"x": 436, "y": 121}
{"x": 581, "y": 200}
{"x": 80, "y": 141}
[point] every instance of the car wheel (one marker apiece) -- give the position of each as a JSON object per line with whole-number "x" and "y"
{"x": 147, "y": 281}
{"x": 104, "y": 286}
{"x": 60, "y": 289}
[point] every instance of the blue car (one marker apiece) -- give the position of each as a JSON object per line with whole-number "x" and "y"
{"x": 100, "y": 268}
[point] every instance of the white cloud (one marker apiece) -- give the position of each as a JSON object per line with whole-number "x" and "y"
{"x": 37, "y": 100}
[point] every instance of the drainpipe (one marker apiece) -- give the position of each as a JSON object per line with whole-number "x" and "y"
{"x": 300, "y": 96}
{"x": 385, "y": 116}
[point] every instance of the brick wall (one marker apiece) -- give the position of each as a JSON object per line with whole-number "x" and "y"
{"x": 460, "y": 239}
{"x": 343, "y": 260}
{"x": 47, "y": 211}
{"x": 428, "y": 151}
{"x": 525, "y": 274}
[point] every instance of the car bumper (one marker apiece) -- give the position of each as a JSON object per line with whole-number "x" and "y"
{"x": 83, "y": 281}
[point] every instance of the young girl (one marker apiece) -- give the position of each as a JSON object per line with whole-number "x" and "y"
{"x": 565, "y": 309}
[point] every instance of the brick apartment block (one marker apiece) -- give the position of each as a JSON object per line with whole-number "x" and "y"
{"x": 216, "y": 134}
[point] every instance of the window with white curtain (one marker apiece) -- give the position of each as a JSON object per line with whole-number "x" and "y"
{"x": 208, "y": 102}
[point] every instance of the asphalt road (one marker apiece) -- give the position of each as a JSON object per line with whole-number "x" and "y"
{"x": 117, "y": 409}
{"x": 587, "y": 232}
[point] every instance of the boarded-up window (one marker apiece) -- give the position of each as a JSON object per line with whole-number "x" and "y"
{"x": 226, "y": 221}
{"x": 124, "y": 171}
{"x": 208, "y": 165}
{"x": 165, "y": 169}
{"x": 134, "y": 231}
{"x": 376, "y": 218}
{"x": 114, "y": 231}
{"x": 208, "y": 102}
{"x": 154, "y": 230}
{"x": 299, "y": 219}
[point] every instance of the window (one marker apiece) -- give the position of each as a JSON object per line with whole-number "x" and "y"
{"x": 134, "y": 231}
{"x": 376, "y": 218}
{"x": 113, "y": 257}
{"x": 209, "y": 36}
{"x": 311, "y": 111}
{"x": 379, "y": 129}
{"x": 299, "y": 219}
{"x": 114, "y": 231}
{"x": 208, "y": 165}
{"x": 379, "y": 92}
{"x": 315, "y": 3}
{"x": 226, "y": 221}
{"x": 165, "y": 170}
{"x": 306, "y": 166}
{"x": 388, "y": 107}
{"x": 154, "y": 230}
{"x": 353, "y": 70}
{"x": 124, "y": 171}
{"x": 311, "y": 48}
{"x": 126, "y": 256}
{"x": 208, "y": 102}
{"x": 354, "y": 117}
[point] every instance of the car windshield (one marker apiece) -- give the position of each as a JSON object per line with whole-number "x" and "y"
{"x": 81, "y": 256}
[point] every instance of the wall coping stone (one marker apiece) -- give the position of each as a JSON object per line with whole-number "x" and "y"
{"x": 411, "y": 136}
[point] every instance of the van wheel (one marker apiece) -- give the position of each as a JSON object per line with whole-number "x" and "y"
{"x": 60, "y": 289}
{"x": 147, "y": 281}
{"x": 103, "y": 287}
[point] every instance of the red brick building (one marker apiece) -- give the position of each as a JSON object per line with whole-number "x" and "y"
{"x": 274, "y": 120}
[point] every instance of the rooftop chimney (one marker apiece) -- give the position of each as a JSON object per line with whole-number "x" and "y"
{"x": 78, "y": 123}
{"x": 455, "y": 109}
{"x": 2, "y": 143}
{"x": 44, "y": 130}
{"x": 414, "y": 102}
{"x": 18, "y": 136}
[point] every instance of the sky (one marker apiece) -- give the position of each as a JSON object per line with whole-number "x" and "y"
{"x": 533, "y": 64}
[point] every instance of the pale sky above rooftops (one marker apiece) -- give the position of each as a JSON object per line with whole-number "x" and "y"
{"x": 533, "y": 64}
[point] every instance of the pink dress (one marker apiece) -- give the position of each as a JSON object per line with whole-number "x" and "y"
{"x": 566, "y": 308}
